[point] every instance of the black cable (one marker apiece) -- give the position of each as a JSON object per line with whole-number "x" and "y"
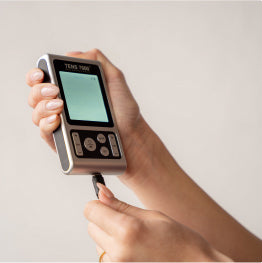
{"x": 97, "y": 178}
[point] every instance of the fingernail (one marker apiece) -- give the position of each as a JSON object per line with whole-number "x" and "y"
{"x": 51, "y": 118}
{"x": 37, "y": 75}
{"x": 105, "y": 190}
{"x": 54, "y": 104}
{"x": 49, "y": 91}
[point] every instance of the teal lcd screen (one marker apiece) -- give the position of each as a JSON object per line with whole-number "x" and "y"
{"x": 83, "y": 96}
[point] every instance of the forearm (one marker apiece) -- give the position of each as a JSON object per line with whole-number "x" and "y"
{"x": 162, "y": 185}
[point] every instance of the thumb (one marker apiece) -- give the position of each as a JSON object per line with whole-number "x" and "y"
{"x": 108, "y": 198}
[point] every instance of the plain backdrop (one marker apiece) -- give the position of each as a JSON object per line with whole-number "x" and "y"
{"x": 195, "y": 70}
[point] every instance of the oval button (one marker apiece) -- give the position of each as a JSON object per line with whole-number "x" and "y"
{"x": 101, "y": 138}
{"x": 90, "y": 144}
{"x": 104, "y": 151}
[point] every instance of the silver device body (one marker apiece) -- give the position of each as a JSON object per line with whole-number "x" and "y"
{"x": 66, "y": 145}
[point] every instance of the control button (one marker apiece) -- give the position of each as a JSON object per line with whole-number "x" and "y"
{"x": 77, "y": 144}
{"x": 101, "y": 138}
{"x": 113, "y": 145}
{"x": 90, "y": 144}
{"x": 79, "y": 151}
{"x": 115, "y": 150}
{"x": 76, "y": 137}
{"x": 104, "y": 151}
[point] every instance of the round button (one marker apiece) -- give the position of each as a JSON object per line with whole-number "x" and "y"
{"x": 90, "y": 144}
{"x": 101, "y": 138}
{"x": 104, "y": 151}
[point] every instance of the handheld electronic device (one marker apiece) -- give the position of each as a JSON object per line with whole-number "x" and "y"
{"x": 87, "y": 140}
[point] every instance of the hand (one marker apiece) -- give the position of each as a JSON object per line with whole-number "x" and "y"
{"x": 130, "y": 123}
{"x": 152, "y": 173}
{"x": 127, "y": 233}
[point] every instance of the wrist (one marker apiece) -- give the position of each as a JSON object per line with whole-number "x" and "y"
{"x": 216, "y": 256}
{"x": 198, "y": 249}
{"x": 207, "y": 253}
{"x": 138, "y": 146}
{"x": 146, "y": 155}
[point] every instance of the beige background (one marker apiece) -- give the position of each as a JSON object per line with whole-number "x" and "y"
{"x": 195, "y": 69}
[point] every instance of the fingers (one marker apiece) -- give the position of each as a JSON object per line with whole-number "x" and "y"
{"x": 34, "y": 76}
{"x": 47, "y": 126}
{"x": 46, "y": 108}
{"x": 100, "y": 251}
{"x": 41, "y": 92}
{"x": 112, "y": 215}
{"x": 107, "y": 197}
{"x": 104, "y": 217}
{"x": 102, "y": 239}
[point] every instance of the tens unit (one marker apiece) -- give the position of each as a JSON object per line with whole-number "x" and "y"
{"x": 87, "y": 141}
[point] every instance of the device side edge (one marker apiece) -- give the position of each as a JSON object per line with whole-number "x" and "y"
{"x": 58, "y": 133}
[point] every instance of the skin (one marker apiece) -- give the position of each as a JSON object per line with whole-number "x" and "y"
{"x": 135, "y": 234}
{"x": 155, "y": 178}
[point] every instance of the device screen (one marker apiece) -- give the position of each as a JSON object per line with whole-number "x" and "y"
{"x": 83, "y": 97}
{"x": 83, "y": 91}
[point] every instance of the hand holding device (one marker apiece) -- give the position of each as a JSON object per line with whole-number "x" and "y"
{"x": 130, "y": 123}
{"x": 152, "y": 173}
{"x": 87, "y": 140}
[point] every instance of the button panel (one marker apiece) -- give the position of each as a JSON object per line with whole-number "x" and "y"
{"x": 95, "y": 144}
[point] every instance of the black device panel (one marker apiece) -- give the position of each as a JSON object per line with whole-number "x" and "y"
{"x": 95, "y": 144}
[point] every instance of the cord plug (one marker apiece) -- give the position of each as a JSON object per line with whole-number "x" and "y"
{"x": 97, "y": 178}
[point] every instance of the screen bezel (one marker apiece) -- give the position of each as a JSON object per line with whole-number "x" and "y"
{"x": 60, "y": 65}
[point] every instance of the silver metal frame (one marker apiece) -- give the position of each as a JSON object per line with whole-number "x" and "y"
{"x": 84, "y": 165}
